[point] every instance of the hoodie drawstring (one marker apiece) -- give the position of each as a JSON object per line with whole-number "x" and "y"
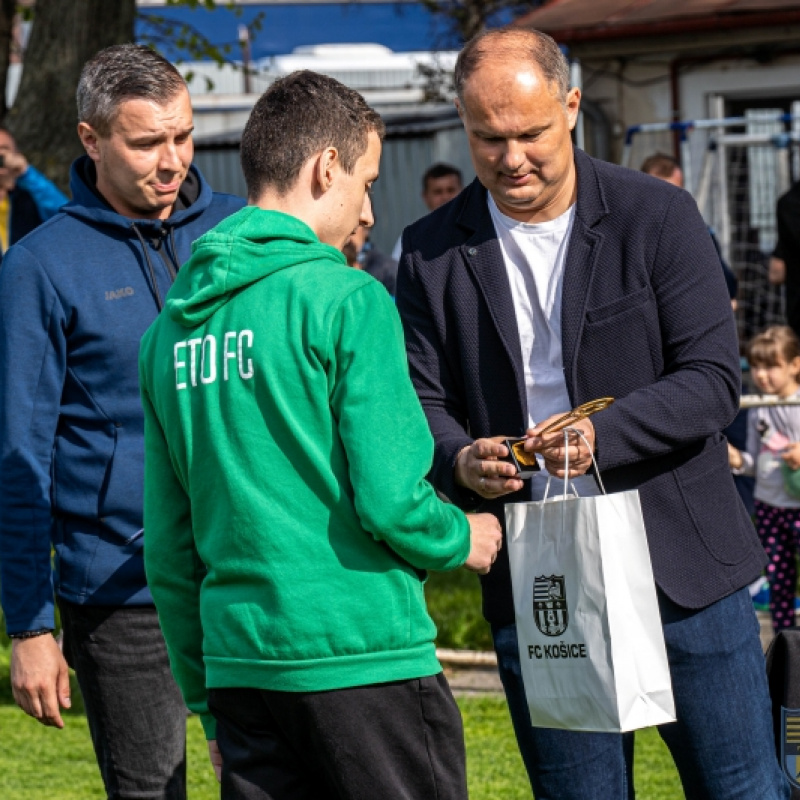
{"x": 153, "y": 279}
{"x": 170, "y": 260}
{"x": 173, "y": 265}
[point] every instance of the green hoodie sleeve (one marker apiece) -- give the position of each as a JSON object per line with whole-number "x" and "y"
{"x": 173, "y": 567}
{"x": 386, "y": 436}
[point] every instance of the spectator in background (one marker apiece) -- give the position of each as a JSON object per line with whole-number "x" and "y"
{"x": 784, "y": 266}
{"x": 362, "y": 254}
{"x": 660, "y": 165}
{"x": 440, "y": 183}
{"x": 75, "y": 298}
{"x": 27, "y": 198}
{"x": 772, "y": 446}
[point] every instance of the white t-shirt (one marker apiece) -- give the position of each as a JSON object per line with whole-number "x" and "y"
{"x": 534, "y": 256}
{"x": 398, "y": 248}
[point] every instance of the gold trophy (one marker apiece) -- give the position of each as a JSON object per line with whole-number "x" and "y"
{"x": 524, "y": 461}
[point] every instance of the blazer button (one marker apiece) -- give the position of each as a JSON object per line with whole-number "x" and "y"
{"x": 473, "y": 251}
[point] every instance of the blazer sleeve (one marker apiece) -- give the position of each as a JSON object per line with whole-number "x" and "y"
{"x": 434, "y": 382}
{"x": 697, "y": 392}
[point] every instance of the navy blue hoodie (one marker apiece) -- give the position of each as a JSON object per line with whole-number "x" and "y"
{"x": 76, "y": 295}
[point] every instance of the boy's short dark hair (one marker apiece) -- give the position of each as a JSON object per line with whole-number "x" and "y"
{"x": 660, "y": 165}
{"x": 440, "y": 170}
{"x": 298, "y": 116}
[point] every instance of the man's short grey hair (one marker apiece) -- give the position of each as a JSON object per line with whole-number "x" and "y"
{"x": 119, "y": 73}
{"x": 518, "y": 45}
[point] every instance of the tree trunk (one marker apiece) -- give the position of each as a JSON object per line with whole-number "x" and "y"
{"x": 64, "y": 36}
{"x": 7, "y": 10}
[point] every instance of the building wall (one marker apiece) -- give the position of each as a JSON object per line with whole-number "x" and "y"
{"x": 396, "y": 195}
{"x": 639, "y": 92}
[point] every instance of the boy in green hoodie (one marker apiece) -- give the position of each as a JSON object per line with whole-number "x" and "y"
{"x": 288, "y": 521}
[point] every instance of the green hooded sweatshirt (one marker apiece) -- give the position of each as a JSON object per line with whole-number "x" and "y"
{"x": 288, "y": 522}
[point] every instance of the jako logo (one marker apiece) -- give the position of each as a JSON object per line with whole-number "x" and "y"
{"x": 116, "y": 294}
{"x": 550, "y": 605}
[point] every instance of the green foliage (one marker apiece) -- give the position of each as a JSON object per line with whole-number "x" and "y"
{"x": 466, "y": 18}
{"x": 454, "y": 602}
{"x": 158, "y": 30}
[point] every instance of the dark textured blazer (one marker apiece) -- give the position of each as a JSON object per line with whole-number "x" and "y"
{"x": 646, "y": 319}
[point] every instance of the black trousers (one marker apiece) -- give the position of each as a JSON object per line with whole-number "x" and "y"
{"x": 391, "y": 741}
{"x": 135, "y": 711}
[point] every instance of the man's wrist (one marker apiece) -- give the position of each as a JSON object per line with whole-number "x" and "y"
{"x": 458, "y": 477}
{"x": 21, "y": 635}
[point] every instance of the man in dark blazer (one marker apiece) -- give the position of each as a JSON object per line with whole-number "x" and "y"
{"x": 569, "y": 280}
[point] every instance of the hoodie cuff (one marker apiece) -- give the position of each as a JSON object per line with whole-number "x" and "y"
{"x": 209, "y": 725}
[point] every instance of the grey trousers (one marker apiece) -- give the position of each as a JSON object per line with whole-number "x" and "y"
{"x": 136, "y": 715}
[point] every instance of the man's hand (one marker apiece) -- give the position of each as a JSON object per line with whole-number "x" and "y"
{"x": 40, "y": 678}
{"x": 478, "y": 469}
{"x": 777, "y": 271}
{"x": 735, "y": 459}
{"x": 216, "y": 758}
{"x": 13, "y": 166}
{"x": 486, "y": 539}
{"x": 791, "y": 455}
{"x": 551, "y": 447}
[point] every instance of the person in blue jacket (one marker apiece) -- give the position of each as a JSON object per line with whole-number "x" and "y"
{"x": 27, "y": 198}
{"x": 75, "y": 298}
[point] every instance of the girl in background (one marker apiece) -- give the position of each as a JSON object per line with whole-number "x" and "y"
{"x": 773, "y": 440}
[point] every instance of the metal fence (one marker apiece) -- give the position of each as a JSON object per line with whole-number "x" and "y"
{"x": 745, "y": 164}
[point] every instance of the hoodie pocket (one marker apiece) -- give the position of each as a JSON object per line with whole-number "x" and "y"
{"x": 121, "y": 497}
{"x": 81, "y": 460}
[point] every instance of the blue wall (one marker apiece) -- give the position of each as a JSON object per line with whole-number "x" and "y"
{"x": 402, "y": 27}
{"x": 399, "y": 26}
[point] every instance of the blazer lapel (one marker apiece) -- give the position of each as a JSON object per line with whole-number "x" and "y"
{"x": 482, "y": 255}
{"x": 580, "y": 267}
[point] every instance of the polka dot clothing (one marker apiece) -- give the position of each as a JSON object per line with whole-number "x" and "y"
{"x": 779, "y": 529}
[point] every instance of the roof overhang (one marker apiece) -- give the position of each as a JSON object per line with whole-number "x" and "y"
{"x": 619, "y": 27}
{"x": 717, "y": 38}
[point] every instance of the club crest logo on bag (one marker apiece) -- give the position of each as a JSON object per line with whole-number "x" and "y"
{"x": 550, "y": 605}
{"x": 790, "y": 744}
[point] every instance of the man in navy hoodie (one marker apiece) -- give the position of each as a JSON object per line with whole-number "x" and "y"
{"x": 76, "y": 296}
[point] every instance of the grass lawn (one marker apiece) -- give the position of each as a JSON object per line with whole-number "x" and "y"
{"x": 48, "y": 764}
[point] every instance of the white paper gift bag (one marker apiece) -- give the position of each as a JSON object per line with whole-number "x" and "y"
{"x": 590, "y": 636}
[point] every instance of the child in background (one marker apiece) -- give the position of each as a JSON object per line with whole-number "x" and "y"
{"x": 773, "y": 439}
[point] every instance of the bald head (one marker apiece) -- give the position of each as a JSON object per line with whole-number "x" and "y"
{"x": 517, "y": 46}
